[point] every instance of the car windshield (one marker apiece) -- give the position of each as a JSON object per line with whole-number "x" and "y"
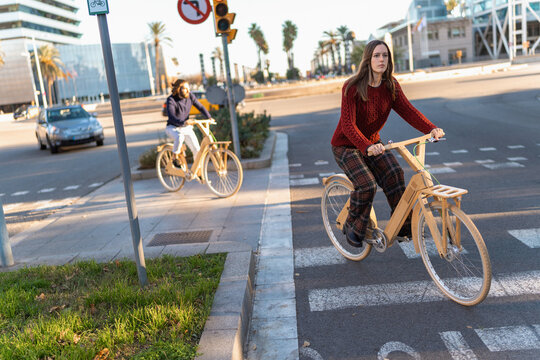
{"x": 66, "y": 114}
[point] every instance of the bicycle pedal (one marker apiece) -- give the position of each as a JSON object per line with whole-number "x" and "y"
{"x": 402, "y": 239}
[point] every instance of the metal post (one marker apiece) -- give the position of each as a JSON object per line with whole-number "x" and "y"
{"x": 122, "y": 148}
{"x": 6, "y": 257}
{"x": 203, "y": 74}
{"x": 230, "y": 96}
{"x": 409, "y": 38}
{"x": 149, "y": 69}
{"x": 38, "y": 66}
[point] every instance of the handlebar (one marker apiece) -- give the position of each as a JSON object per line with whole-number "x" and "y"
{"x": 418, "y": 140}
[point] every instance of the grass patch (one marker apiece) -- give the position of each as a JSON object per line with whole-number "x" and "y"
{"x": 89, "y": 310}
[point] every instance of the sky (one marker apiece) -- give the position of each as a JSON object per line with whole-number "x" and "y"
{"x": 128, "y": 23}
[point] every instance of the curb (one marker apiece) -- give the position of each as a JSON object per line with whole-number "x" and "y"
{"x": 226, "y": 330}
{"x": 263, "y": 161}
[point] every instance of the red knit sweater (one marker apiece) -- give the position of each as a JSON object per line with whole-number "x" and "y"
{"x": 361, "y": 121}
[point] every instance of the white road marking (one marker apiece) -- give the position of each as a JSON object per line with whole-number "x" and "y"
{"x": 10, "y": 207}
{"x": 95, "y": 184}
{"x": 396, "y": 346}
{"x": 516, "y": 284}
{"x": 442, "y": 170}
{"x": 487, "y": 161}
{"x": 410, "y": 253}
{"x": 519, "y": 158}
{"x": 487, "y": 149}
{"x": 299, "y": 176}
{"x": 326, "y": 174}
{"x": 2, "y": 194}
{"x": 457, "y": 346}
{"x": 516, "y": 146}
{"x": 20, "y": 193}
{"x": 295, "y": 165}
{"x": 72, "y": 187}
{"x": 433, "y": 153}
{"x": 461, "y": 151}
{"x": 301, "y": 182}
{"x": 317, "y": 256}
{"x": 510, "y": 338}
{"x": 48, "y": 190}
{"x": 321, "y": 162}
{"x": 503, "y": 165}
{"x": 450, "y": 164}
{"x": 530, "y": 237}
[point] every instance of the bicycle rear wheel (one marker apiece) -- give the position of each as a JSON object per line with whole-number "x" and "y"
{"x": 464, "y": 274}
{"x": 333, "y": 201}
{"x": 223, "y": 172}
{"x": 164, "y": 159}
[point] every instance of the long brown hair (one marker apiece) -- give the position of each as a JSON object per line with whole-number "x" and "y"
{"x": 362, "y": 78}
{"x": 176, "y": 87}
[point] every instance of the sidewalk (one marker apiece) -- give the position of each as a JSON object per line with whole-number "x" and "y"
{"x": 97, "y": 227}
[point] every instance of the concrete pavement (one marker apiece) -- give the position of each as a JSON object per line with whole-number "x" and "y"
{"x": 97, "y": 227}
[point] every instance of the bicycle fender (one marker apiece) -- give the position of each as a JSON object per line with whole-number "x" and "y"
{"x": 336, "y": 177}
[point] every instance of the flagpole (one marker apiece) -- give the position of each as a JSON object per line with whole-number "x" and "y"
{"x": 409, "y": 38}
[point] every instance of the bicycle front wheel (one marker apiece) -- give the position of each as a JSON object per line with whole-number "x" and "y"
{"x": 464, "y": 274}
{"x": 335, "y": 197}
{"x": 165, "y": 159}
{"x": 222, "y": 172}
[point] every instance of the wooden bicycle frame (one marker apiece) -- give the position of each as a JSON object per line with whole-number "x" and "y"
{"x": 207, "y": 143}
{"x": 415, "y": 199}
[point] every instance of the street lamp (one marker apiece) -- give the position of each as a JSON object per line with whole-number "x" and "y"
{"x": 149, "y": 69}
{"x": 38, "y": 66}
{"x": 409, "y": 38}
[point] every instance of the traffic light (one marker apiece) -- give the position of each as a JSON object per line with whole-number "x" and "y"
{"x": 223, "y": 19}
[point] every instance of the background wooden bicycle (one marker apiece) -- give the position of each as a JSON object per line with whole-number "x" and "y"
{"x": 215, "y": 165}
{"x": 451, "y": 246}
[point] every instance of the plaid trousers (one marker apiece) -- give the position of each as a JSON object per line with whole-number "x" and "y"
{"x": 366, "y": 172}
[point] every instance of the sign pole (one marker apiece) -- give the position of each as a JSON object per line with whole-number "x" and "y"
{"x": 122, "y": 148}
{"x": 230, "y": 96}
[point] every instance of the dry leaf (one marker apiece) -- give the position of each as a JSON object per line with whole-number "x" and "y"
{"x": 306, "y": 344}
{"x": 469, "y": 327}
{"x": 40, "y": 296}
{"x": 76, "y": 338}
{"x": 57, "y": 308}
{"x": 117, "y": 263}
{"x": 69, "y": 277}
{"x": 254, "y": 347}
{"x": 102, "y": 355}
{"x": 296, "y": 274}
{"x": 92, "y": 309}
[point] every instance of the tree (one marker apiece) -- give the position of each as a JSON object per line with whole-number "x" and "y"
{"x": 52, "y": 67}
{"x": 218, "y": 54}
{"x": 257, "y": 35}
{"x": 322, "y": 52}
{"x": 158, "y": 34}
{"x": 356, "y": 54}
{"x": 290, "y": 32}
{"x": 455, "y": 7}
{"x": 343, "y": 32}
{"x": 332, "y": 41}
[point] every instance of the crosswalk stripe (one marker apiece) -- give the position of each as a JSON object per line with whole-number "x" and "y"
{"x": 530, "y": 237}
{"x": 317, "y": 256}
{"x": 515, "y": 284}
{"x": 295, "y": 165}
{"x": 298, "y": 176}
{"x": 48, "y": 190}
{"x": 326, "y": 174}
{"x": 487, "y": 149}
{"x": 505, "y": 165}
{"x": 457, "y": 346}
{"x": 510, "y": 338}
{"x": 461, "y": 151}
{"x": 20, "y": 193}
{"x": 321, "y": 162}
{"x": 301, "y": 182}
{"x": 519, "y": 158}
{"x": 441, "y": 170}
{"x": 450, "y": 164}
{"x": 433, "y": 153}
{"x": 516, "y": 146}
{"x": 487, "y": 161}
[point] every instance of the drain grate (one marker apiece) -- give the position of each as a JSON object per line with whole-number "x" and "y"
{"x": 186, "y": 237}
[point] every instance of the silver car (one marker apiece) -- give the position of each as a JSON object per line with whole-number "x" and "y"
{"x": 67, "y": 125}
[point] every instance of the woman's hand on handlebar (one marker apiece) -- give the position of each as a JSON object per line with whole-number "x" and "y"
{"x": 375, "y": 149}
{"x": 437, "y": 133}
{"x": 190, "y": 122}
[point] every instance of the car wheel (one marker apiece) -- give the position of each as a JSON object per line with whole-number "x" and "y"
{"x": 54, "y": 149}
{"x": 40, "y": 144}
{"x": 99, "y": 142}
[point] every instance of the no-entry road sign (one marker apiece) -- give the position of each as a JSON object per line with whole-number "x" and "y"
{"x": 194, "y": 11}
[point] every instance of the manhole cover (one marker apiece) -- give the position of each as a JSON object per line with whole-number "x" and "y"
{"x": 186, "y": 237}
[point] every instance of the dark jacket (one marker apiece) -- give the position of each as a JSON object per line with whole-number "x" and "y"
{"x": 178, "y": 109}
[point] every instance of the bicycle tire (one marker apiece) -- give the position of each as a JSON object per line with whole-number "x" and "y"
{"x": 170, "y": 182}
{"x": 463, "y": 275}
{"x": 228, "y": 179}
{"x": 334, "y": 198}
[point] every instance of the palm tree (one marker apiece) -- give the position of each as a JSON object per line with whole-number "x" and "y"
{"x": 322, "y": 52}
{"x": 331, "y": 41}
{"x": 290, "y": 32}
{"x": 258, "y": 36}
{"x": 218, "y": 54}
{"x": 157, "y": 32}
{"x": 52, "y": 67}
{"x": 343, "y": 34}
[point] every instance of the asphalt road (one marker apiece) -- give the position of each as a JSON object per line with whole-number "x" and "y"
{"x": 493, "y": 150}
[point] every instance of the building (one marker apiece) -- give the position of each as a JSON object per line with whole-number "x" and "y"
{"x": 505, "y": 28}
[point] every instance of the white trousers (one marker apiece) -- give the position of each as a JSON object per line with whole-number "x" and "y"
{"x": 181, "y": 133}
